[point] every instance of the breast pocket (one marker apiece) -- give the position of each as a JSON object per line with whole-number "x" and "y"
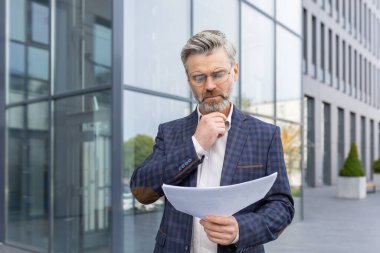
{"x": 248, "y": 172}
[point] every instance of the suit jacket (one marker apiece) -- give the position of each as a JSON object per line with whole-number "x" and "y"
{"x": 253, "y": 150}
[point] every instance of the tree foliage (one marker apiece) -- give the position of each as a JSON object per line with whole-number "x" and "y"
{"x": 352, "y": 166}
{"x": 376, "y": 166}
{"x": 136, "y": 150}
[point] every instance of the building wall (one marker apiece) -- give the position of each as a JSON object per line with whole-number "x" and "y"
{"x": 359, "y": 93}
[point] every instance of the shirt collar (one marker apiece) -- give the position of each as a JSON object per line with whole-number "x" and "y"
{"x": 229, "y": 117}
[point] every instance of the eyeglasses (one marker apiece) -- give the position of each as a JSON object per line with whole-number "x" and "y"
{"x": 218, "y": 77}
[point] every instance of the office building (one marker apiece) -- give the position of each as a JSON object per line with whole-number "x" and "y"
{"x": 341, "y": 83}
{"x": 84, "y": 85}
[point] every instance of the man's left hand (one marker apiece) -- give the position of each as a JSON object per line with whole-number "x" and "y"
{"x": 221, "y": 230}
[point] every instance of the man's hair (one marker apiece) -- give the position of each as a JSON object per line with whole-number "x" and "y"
{"x": 206, "y": 42}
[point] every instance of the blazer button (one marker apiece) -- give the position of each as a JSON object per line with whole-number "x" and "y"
{"x": 186, "y": 248}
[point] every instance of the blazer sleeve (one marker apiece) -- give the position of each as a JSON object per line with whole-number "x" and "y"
{"x": 275, "y": 211}
{"x": 168, "y": 163}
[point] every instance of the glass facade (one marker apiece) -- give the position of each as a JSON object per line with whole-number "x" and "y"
{"x": 60, "y": 189}
{"x": 58, "y": 145}
{"x": 269, "y": 84}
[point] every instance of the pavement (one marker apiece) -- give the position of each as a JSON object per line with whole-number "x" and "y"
{"x": 332, "y": 225}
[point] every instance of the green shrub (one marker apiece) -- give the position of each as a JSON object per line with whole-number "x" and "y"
{"x": 376, "y": 166}
{"x": 352, "y": 167}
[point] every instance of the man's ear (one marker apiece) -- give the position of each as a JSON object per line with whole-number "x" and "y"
{"x": 236, "y": 71}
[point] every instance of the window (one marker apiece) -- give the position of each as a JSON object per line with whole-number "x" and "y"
{"x": 83, "y": 45}
{"x": 326, "y": 135}
{"x": 363, "y": 144}
{"x": 336, "y": 84}
{"x": 310, "y": 142}
{"x": 350, "y": 70}
{"x": 329, "y": 7}
{"x": 82, "y": 173}
{"x": 337, "y": 13}
{"x": 369, "y": 29}
{"x": 349, "y": 14}
{"x": 378, "y": 141}
{"x": 323, "y": 51}
{"x": 305, "y": 41}
{"x": 340, "y": 140}
{"x": 360, "y": 77}
{"x": 344, "y": 12}
{"x": 257, "y": 62}
{"x": 330, "y": 64}
{"x": 138, "y": 139}
{"x": 356, "y": 81}
{"x": 314, "y": 46}
{"x": 365, "y": 84}
{"x": 355, "y": 16}
{"x": 365, "y": 23}
{"x": 288, "y": 76}
{"x": 352, "y": 127}
{"x": 360, "y": 19}
{"x": 28, "y": 168}
{"x": 369, "y": 83}
{"x": 344, "y": 66}
{"x": 372, "y": 144}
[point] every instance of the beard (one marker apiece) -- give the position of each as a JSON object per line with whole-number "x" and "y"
{"x": 214, "y": 107}
{"x": 210, "y": 107}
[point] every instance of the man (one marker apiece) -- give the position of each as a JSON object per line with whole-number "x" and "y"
{"x": 216, "y": 145}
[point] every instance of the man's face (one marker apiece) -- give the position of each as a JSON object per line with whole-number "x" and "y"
{"x": 211, "y": 78}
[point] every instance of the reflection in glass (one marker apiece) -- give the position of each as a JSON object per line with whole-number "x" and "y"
{"x": 257, "y": 63}
{"x": 40, "y": 22}
{"x": 142, "y": 115}
{"x": 29, "y": 72}
{"x": 38, "y": 63}
{"x": 83, "y": 44}
{"x": 17, "y": 72}
{"x": 291, "y": 143}
{"x": 289, "y": 13}
{"x": 82, "y": 168}
{"x": 38, "y": 67}
{"x": 152, "y": 55}
{"x": 17, "y": 19}
{"x": 27, "y": 181}
{"x": 288, "y": 75}
{"x": 265, "y": 5}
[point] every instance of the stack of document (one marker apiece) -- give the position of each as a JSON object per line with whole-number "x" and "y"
{"x": 220, "y": 201}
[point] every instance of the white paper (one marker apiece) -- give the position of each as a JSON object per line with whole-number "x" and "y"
{"x": 221, "y": 201}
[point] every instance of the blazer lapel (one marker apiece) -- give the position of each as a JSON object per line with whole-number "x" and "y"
{"x": 190, "y": 124}
{"x": 237, "y": 136}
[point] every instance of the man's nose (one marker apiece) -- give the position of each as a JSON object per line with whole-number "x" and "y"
{"x": 210, "y": 83}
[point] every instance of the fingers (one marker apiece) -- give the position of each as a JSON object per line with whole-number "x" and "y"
{"x": 210, "y": 127}
{"x": 221, "y": 230}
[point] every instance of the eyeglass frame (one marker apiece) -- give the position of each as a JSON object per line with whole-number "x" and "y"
{"x": 212, "y": 75}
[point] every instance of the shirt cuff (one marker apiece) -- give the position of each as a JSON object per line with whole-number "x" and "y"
{"x": 198, "y": 148}
{"x": 236, "y": 239}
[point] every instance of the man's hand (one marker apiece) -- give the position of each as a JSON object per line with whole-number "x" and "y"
{"x": 210, "y": 127}
{"x": 221, "y": 230}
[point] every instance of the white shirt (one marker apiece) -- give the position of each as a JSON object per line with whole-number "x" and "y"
{"x": 209, "y": 175}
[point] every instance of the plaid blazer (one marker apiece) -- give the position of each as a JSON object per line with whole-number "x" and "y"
{"x": 253, "y": 150}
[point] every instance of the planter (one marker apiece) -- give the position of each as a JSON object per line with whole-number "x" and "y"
{"x": 376, "y": 180}
{"x": 352, "y": 187}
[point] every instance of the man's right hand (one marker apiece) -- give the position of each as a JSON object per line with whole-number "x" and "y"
{"x": 210, "y": 127}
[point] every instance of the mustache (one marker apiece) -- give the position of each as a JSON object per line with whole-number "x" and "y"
{"x": 210, "y": 94}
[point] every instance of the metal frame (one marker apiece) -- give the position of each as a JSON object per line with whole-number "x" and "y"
{"x": 2, "y": 116}
{"x": 117, "y": 218}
